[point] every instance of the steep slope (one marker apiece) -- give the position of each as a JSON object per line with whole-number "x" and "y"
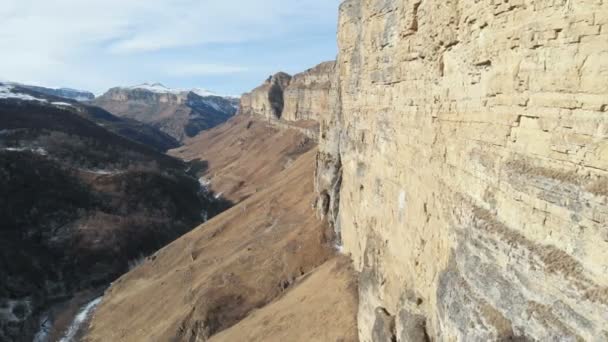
{"x": 320, "y": 307}
{"x": 132, "y": 129}
{"x": 242, "y": 260}
{"x": 241, "y": 156}
{"x": 79, "y": 203}
{"x": 179, "y": 113}
{"x": 465, "y": 167}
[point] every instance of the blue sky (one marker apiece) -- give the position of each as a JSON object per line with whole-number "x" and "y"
{"x": 229, "y": 46}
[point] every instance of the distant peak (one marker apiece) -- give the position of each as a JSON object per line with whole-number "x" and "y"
{"x": 156, "y": 88}
{"x": 203, "y": 92}
{"x": 160, "y": 88}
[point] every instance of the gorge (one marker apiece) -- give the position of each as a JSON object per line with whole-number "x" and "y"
{"x": 444, "y": 179}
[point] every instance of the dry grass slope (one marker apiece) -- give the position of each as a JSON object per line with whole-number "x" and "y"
{"x": 266, "y": 258}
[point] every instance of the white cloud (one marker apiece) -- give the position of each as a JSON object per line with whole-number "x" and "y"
{"x": 55, "y": 40}
{"x": 202, "y": 69}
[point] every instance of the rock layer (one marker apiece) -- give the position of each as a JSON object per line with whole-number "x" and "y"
{"x": 464, "y": 167}
{"x": 307, "y": 95}
{"x": 293, "y": 102}
{"x": 266, "y": 100}
{"x": 180, "y": 114}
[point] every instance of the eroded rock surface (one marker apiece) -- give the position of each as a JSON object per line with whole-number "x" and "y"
{"x": 293, "y": 102}
{"x": 464, "y": 166}
{"x": 308, "y": 93}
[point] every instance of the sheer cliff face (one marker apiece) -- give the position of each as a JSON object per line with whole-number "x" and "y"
{"x": 303, "y": 97}
{"x": 308, "y": 93}
{"x": 266, "y": 100}
{"x": 464, "y": 165}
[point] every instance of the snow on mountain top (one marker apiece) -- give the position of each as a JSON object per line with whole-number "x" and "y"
{"x": 7, "y": 92}
{"x": 162, "y": 89}
{"x": 203, "y": 92}
{"x": 156, "y": 88}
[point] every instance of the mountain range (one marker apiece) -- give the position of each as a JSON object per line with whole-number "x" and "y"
{"x": 84, "y": 195}
{"x": 180, "y": 113}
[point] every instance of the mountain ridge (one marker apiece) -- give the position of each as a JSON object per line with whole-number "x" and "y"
{"x": 180, "y": 113}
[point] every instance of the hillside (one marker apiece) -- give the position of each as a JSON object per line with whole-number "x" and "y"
{"x": 242, "y": 155}
{"x": 179, "y": 113}
{"x": 127, "y": 128}
{"x": 67, "y": 93}
{"x": 445, "y": 179}
{"x": 79, "y": 204}
{"x": 250, "y": 262}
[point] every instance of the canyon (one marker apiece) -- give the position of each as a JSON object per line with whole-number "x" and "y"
{"x": 83, "y": 200}
{"x": 461, "y": 165}
{"x": 444, "y": 179}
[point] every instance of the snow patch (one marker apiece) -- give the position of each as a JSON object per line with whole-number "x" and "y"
{"x": 37, "y": 150}
{"x": 80, "y": 318}
{"x": 103, "y": 172}
{"x": 156, "y": 88}
{"x": 212, "y": 104}
{"x": 63, "y": 104}
{"x": 159, "y": 88}
{"x": 203, "y": 92}
{"x": 7, "y": 92}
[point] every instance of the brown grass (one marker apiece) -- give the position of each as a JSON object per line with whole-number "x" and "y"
{"x": 215, "y": 276}
{"x": 243, "y": 154}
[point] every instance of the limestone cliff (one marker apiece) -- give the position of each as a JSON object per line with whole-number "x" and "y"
{"x": 307, "y": 95}
{"x": 464, "y": 166}
{"x": 267, "y": 99}
{"x": 293, "y": 102}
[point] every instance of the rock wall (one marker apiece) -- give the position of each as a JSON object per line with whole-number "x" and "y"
{"x": 464, "y": 167}
{"x": 267, "y": 99}
{"x": 307, "y": 95}
{"x": 293, "y": 102}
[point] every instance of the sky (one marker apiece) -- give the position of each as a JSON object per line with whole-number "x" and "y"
{"x": 228, "y": 46}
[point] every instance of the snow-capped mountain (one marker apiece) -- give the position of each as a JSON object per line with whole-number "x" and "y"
{"x": 9, "y": 91}
{"x": 23, "y": 97}
{"x": 180, "y": 113}
{"x": 68, "y": 93}
{"x": 159, "y": 88}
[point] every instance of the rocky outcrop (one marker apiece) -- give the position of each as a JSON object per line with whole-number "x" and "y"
{"x": 307, "y": 96}
{"x": 293, "y": 102}
{"x": 464, "y": 167}
{"x": 266, "y": 100}
{"x": 179, "y": 113}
